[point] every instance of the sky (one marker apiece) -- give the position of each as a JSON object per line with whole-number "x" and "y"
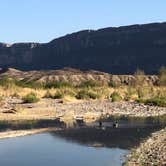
{"x": 44, "y": 20}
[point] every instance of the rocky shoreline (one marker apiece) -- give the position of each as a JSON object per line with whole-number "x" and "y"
{"x": 151, "y": 152}
{"x": 14, "y": 109}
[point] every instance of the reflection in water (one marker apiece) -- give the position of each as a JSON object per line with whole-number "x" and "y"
{"x": 30, "y": 124}
{"x": 123, "y": 138}
{"x": 47, "y": 150}
{"x": 76, "y": 145}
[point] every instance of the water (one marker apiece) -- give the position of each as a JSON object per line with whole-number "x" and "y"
{"x": 81, "y": 145}
{"x": 47, "y": 150}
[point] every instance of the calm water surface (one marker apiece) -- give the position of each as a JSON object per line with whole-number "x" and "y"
{"x": 76, "y": 146}
{"x": 48, "y": 150}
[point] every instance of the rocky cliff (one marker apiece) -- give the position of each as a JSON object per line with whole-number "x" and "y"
{"x": 115, "y": 50}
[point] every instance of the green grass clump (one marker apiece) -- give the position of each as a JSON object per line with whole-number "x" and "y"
{"x": 85, "y": 94}
{"x": 57, "y": 84}
{"x": 8, "y": 82}
{"x": 162, "y": 76}
{"x": 58, "y": 95}
{"x": 31, "y": 98}
{"x": 89, "y": 84}
{"x": 115, "y": 96}
{"x": 157, "y": 101}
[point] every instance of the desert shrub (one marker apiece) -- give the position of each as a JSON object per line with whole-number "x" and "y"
{"x": 85, "y": 94}
{"x": 1, "y": 101}
{"x": 162, "y": 76}
{"x": 31, "y": 98}
{"x": 57, "y": 84}
{"x": 48, "y": 94}
{"x": 157, "y": 101}
{"x": 58, "y": 95}
{"x": 89, "y": 84}
{"x": 7, "y": 82}
{"x": 139, "y": 77}
{"x": 113, "y": 84}
{"x": 129, "y": 93}
{"x": 11, "y": 82}
{"x": 115, "y": 97}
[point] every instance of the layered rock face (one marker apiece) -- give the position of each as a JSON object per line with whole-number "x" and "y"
{"x": 115, "y": 50}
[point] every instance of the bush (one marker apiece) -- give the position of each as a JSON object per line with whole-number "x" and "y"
{"x": 10, "y": 82}
{"x": 58, "y": 95}
{"x": 157, "y": 101}
{"x": 30, "y": 98}
{"x": 113, "y": 84}
{"x": 85, "y": 94}
{"x": 7, "y": 82}
{"x": 57, "y": 84}
{"x": 115, "y": 97}
{"x": 162, "y": 76}
{"x": 89, "y": 84}
{"x": 48, "y": 94}
{"x": 139, "y": 77}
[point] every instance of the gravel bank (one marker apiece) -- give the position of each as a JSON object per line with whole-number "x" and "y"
{"x": 50, "y": 109}
{"x": 152, "y": 152}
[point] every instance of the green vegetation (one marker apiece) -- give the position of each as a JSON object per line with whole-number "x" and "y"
{"x": 162, "y": 76}
{"x": 139, "y": 77}
{"x": 31, "y": 98}
{"x": 86, "y": 94}
{"x": 58, "y": 95}
{"x": 90, "y": 89}
{"x": 115, "y": 96}
{"x": 11, "y": 82}
{"x": 158, "y": 101}
{"x": 57, "y": 84}
{"x": 89, "y": 84}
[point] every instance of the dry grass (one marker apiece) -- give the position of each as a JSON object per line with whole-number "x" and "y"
{"x": 128, "y": 93}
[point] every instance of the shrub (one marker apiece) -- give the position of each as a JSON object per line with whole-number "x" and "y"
{"x": 10, "y": 82}
{"x": 58, "y": 95}
{"x": 115, "y": 97}
{"x": 113, "y": 84}
{"x": 48, "y": 94}
{"x": 57, "y": 84}
{"x": 30, "y": 98}
{"x": 157, "y": 101}
{"x": 139, "y": 77}
{"x": 7, "y": 82}
{"x": 85, "y": 94}
{"x": 89, "y": 84}
{"x": 162, "y": 76}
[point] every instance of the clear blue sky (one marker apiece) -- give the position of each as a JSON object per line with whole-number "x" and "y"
{"x": 44, "y": 20}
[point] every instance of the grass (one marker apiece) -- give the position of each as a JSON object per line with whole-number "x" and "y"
{"x": 57, "y": 84}
{"x": 30, "y": 98}
{"x": 157, "y": 101}
{"x": 154, "y": 95}
{"x": 87, "y": 94}
{"x": 89, "y": 84}
{"x": 115, "y": 96}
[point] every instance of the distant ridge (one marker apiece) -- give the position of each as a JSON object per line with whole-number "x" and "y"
{"x": 74, "y": 76}
{"x": 116, "y": 50}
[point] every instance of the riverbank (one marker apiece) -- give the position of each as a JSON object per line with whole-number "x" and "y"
{"x": 90, "y": 110}
{"x": 151, "y": 152}
{"x": 20, "y": 133}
